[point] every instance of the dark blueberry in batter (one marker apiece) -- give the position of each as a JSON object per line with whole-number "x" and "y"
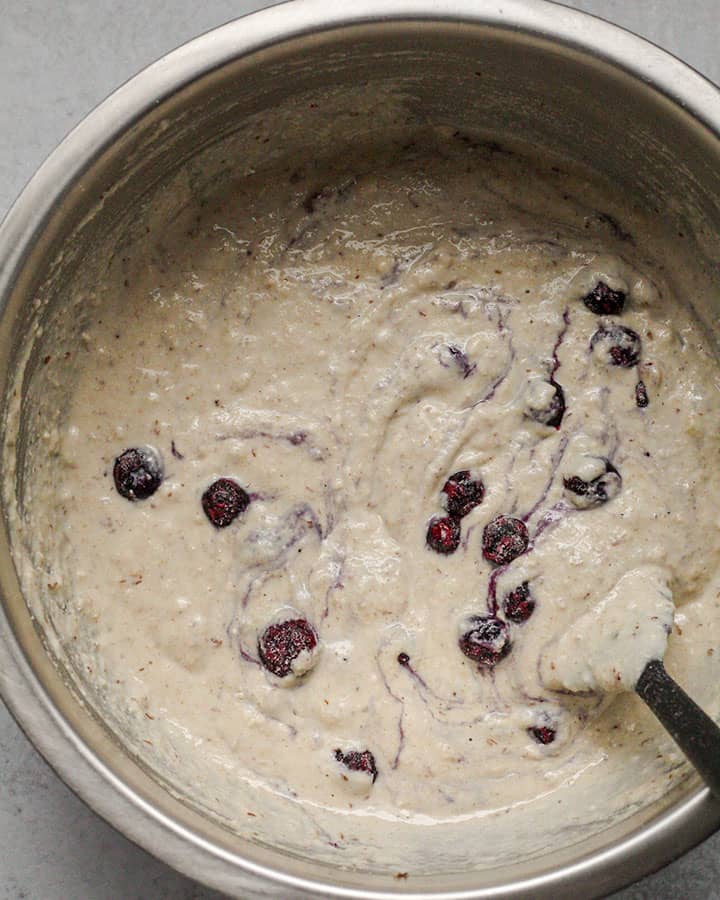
{"x": 443, "y": 534}
{"x": 358, "y": 761}
{"x": 138, "y": 473}
{"x": 504, "y": 539}
{"x": 552, "y": 414}
{"x": 486, "y": 640}
{"x": 462, "y": 493}
{"x": 641, "y": 395}
{"x": 596, "y": 492}
{"x": 621, "y": 346}
{"x": 223, "y": 502}
{"x": 519, "y": 604}
{"x": 542, "y": 734}
{"x": 604, "y": 301}
{"x": 403, "y": 659}
{"x": 281, "y": 644}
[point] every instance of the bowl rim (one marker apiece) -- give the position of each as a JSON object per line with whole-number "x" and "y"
{"x": 653, "y": 845}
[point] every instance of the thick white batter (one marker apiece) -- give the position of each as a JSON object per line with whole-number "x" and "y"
{"x": 340, "y": 341}
{"x": 608, "y": 646}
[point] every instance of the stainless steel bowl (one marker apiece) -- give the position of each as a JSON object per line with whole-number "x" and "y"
{"x": 551, "y": 76}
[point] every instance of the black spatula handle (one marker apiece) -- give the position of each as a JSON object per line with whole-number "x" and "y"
{"x": 692, "y": 730}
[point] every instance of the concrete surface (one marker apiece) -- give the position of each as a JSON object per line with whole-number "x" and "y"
{"x": 58, "y": 58}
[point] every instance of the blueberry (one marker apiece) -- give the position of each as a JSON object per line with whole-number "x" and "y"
{"x": 543, "y": 734}
{"x": 138, "y": 473}
{"x": 358, "y": 761}
{"x": 485, "y": 640}
{"x": 282, "y": 643}
{"x": 519, "y": 604}
{"x": 641, "y": 395}
{"x": 604, "y": 301}
{"x": 546, "y": 403}
{"x": 586, "y": 494}
{"x": 504, "y": 539}
{"x": 443, "y": 534}
{"x": 462, "y": 493}
{"x": 620, "y": 346}
{"x": 223, "y": 502}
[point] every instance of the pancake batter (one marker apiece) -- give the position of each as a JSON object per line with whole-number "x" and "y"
{"x": 348, "y": 447}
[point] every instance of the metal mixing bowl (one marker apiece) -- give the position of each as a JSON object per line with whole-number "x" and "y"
{"x": 551, "y": 76}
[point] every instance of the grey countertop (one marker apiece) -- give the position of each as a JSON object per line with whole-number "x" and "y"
{"x": 57, "y": 60}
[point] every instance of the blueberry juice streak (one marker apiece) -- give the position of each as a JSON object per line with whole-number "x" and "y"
{"x": 559, "y": 342}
